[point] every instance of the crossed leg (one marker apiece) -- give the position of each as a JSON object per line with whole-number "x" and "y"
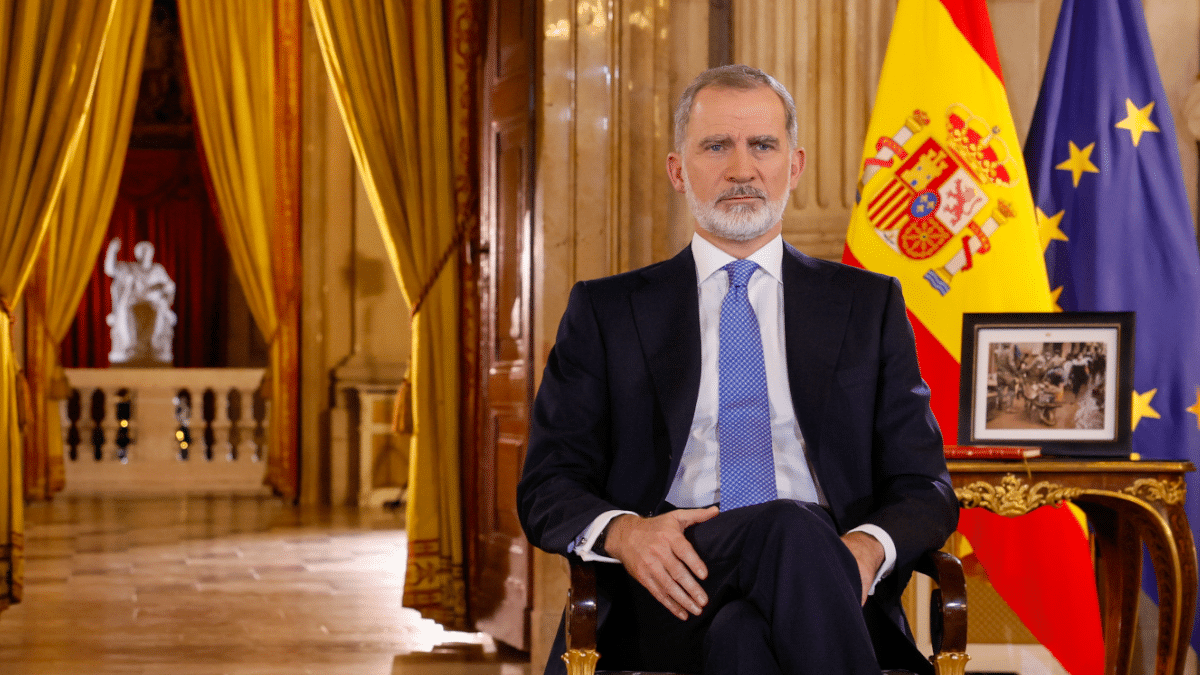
{"x": 784, "y": 598}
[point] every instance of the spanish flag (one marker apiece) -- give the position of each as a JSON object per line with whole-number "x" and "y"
{"x": 944, "y": 205}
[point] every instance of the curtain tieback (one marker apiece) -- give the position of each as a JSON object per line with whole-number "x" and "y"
{"x": 459, "y": 234}
{"x": 24, "y": 400}
{"x": 7, "y": 310}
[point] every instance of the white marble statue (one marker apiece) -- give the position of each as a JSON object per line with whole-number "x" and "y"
{"x": 142, "y": 321}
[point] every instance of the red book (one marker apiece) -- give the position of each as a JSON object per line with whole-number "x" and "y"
{"x": 991, "y": 452}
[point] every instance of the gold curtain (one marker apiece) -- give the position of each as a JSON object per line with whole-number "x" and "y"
{"x": 411, "y": 140}
{"x": 75, "y": 236}
{"x": 46, "y": 82}
{"x": 229, "y": 47}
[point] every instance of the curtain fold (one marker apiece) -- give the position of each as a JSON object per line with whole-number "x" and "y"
{"x": 391, "y": 73}
{"x": 49, "y": 57}
{"x": 229, "y": 49}
{"x": 76, "y": 233}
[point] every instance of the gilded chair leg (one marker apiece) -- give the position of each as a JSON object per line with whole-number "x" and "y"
{"x": 948, "y": 663}
{"x": 581, "y": 661}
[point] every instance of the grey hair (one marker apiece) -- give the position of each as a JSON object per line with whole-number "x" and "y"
{"x": 741, "y": 78}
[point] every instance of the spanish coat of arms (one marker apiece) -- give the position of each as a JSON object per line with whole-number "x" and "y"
{"x": 924, "y": 195}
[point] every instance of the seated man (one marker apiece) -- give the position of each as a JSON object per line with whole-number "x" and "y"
{"x": 741, "y": 431}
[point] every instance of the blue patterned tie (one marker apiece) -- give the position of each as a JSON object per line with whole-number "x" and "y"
{"x": 744, "y": 416}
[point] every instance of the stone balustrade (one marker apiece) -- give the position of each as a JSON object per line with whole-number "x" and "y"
{"x": 156, "y": 430}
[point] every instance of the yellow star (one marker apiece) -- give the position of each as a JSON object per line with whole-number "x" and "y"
{"x": 1141, "y": 407}
{"x": 1137, "y": 121}
{"x": 1054, "y": 295}
{"x": 1048, "y": 227}
{"x": 1195, "y": 409}
{"x": 1079, "y": 162}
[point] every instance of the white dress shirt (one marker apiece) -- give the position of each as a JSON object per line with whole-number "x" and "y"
{"x": 697, "y": 483}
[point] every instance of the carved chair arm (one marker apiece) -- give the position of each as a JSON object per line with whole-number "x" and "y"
{"x": 581, "y": 606}
{"x": 948, "y": 602}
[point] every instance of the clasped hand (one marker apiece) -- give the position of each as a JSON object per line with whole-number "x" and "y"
{"x": 655, "y": 552}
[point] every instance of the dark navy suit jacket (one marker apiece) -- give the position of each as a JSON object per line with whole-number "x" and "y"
{"x": 619, "y": 392}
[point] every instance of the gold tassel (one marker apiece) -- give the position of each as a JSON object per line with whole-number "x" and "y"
{"x": 402, "y": 416}
{"x": 24, "y": 400}
{"x": 59, "y": 387}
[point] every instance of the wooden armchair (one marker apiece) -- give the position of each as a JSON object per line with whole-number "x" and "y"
{"x": 947, "y": 604}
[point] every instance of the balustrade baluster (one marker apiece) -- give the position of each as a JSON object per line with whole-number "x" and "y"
{"x": 134, "y": 424}
{"x": 71, "y": 412}
{"x": 196, "y": 417}
{"x": 109, "y": 424}
{"x": 241, "y": 416}
{"x": 247, "y": 425}
{"x": 210, "y": 416}
{"x": 221, "y": 424}
{"x": 185, "y": 412}
{"x": 95, "y": 404}
{"x": 262, "y": 420}
{"x": 233, "y": 411}
{"x": 123, "y": 414}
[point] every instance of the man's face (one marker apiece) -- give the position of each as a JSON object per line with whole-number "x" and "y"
{"x": 736, "y": 166}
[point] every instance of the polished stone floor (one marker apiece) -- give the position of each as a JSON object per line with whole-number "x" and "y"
{"x": 224, "y": 585}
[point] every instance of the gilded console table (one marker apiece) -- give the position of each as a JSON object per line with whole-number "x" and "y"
{"x": 1128, "y": 503}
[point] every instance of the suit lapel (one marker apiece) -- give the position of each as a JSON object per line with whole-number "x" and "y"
{"x": 666, "y": 311}
{"x": 815, "y": 314}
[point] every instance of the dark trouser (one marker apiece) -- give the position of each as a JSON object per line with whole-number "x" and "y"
{"x": 783, "y": 598}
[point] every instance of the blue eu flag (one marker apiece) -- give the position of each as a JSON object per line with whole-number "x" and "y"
{"x": 1114, "y": 215}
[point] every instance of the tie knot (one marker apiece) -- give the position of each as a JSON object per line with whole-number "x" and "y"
{"x": 740, "y": 272}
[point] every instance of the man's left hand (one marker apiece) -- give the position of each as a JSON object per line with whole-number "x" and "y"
{"x": 869, "y": 553}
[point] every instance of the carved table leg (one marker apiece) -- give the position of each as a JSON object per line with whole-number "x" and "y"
{"x": 1164, "y": 555}
{"x": 1118, "y": 569}
{"x": 1136, "y": 514}
{"x": 1156, "y": 509}
{"x": 1186, "y": 549}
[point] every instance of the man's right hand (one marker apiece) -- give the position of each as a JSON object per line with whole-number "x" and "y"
{"x": 655, "y": 552}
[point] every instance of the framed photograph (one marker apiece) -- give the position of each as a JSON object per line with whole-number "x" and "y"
{"x": 1061, "y": 381}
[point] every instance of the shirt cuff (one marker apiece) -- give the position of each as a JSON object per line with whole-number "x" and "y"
{"x": 582, "y": 546}
{"x": 889, "y": 551}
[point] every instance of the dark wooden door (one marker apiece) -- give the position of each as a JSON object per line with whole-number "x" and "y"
{"x": 500, "y": 564}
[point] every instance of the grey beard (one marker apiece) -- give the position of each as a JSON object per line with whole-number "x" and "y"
{"x": 742, "y": 222}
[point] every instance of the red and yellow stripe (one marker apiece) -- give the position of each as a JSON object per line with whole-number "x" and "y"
{"x": 942, "y": 55}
